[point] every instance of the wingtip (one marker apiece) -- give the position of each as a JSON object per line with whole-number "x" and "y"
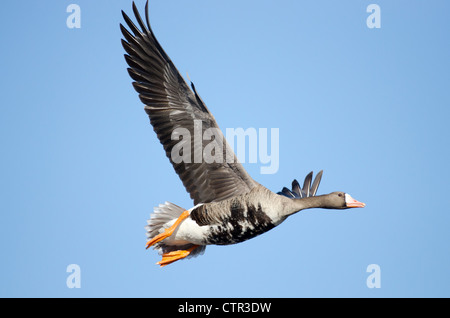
{"x": 193, "y": 87}
{"x": 316, "y": 183}
{"x": 124, "y": 15}
{"x": 147, "y": 19}
{"x": 307, "y": 183}
{"x": 123, "y": 29}
{"x": 296, "y": 188}
{"x": 308, "y": 176}
{"x": 319, "y": 175}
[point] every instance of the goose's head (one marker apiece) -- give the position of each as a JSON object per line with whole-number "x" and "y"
{"x": 342, "y": 200}
{"x": 306, "y": 198}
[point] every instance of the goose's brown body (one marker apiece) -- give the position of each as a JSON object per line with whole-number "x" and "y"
{"x": 240, "y": 218}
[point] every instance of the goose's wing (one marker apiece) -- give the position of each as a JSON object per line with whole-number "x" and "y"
{"x": 175, "y": 110}
{"x": 308, "y": 189}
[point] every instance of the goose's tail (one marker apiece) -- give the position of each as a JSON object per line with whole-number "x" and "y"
{"x": 308, "y": 190}
{"x": 163, "y": 217}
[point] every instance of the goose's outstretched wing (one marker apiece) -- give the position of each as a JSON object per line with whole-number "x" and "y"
{"x": 176, "y": 113}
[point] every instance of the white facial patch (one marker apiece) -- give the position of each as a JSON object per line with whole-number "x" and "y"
{"x": 348, "y": 198}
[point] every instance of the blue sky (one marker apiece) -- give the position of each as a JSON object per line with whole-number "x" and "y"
{"x": 81, "y": 168}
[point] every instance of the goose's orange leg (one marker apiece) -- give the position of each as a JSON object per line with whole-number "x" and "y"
{"x": 168, "y": 258}
{"x": 169, "y": 231}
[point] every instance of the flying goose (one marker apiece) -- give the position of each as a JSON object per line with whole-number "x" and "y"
{"x": 229, "y": 206}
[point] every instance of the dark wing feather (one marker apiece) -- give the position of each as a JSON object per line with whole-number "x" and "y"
{"x": 316, "y": 183}
{"x": 171, "y": 104}
{"x": 286, "y": 192}
{"x": 307, "y": 184}
{"x": 296, "y": 189}
{"x": 308, "y": 189}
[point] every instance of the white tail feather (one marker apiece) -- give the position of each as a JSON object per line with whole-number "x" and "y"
{"x": 163, "y": 217}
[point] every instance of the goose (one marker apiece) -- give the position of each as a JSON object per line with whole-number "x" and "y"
{"x": 229, "y": 206}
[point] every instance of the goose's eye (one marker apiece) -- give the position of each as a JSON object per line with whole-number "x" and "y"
{"x": 340, "y": 194}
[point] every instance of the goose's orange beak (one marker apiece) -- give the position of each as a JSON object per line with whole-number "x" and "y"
{"x": 352, "y": 203}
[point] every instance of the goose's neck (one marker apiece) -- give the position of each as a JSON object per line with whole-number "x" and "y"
{"x": 297, "y": 205}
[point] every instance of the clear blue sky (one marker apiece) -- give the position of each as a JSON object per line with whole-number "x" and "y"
{"x": 81, "y": 168}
